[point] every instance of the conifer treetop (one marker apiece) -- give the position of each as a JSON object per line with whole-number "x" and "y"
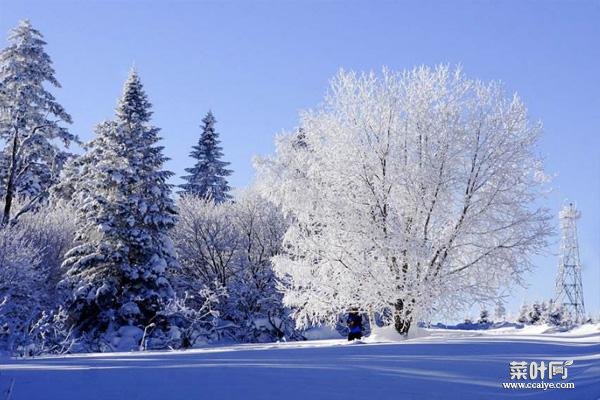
{"x": 24, "y": 68}
{"x": 207, "y": 178}
{"x": 133, "y": 106}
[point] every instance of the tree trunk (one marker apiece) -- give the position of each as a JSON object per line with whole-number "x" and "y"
{"x": 10, "y": 183}
{"x": 372, "y": 323}
{"x": 402, "y": 318}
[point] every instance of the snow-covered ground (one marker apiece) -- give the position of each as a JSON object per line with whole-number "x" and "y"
{"x": 435, "y": 364}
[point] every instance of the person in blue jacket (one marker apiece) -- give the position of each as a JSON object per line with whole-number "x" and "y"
{"x": 354, "y": 323}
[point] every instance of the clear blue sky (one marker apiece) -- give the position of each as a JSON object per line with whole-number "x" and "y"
{"x": 256, "y": 64}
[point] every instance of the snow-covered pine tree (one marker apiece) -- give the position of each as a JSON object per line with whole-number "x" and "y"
{"x": 118, "y": 272}
{"x": 30, "y": 120}
{"x": 554, "y": 314}
{"x": 207, "y": 178}
{"x": 70, "y": 175}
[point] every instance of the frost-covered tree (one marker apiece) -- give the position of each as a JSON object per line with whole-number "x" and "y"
{"x": 197, "y": 316}
{"x": 412, "y": 196}
{"x": 71, "y": 175}
{"x": 19, "y": 282}
{"x": 207, "y": 242}
{"x": 30, "y": 120}
{"x": 118, "y": 271}
{"x": 524, "y": 314}
{"x": 51, "y": 229}
{"x": 500, "y": 311}
{"x": 208, "y": 177}
{"x": 256, "y": 304}
{"x": 30, "y": 255}
{"x": 228, "y": 246}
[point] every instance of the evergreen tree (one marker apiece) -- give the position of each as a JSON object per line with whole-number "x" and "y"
{"x": 207, "y": 178}
{"x": 535, "y": 313}
{"x": 71, "y": 175}
{"x": 30, "y": 120}
{"x": 554, "y": 315}
{"x": 484, "y": 317}
{"x": 118, "y": 272}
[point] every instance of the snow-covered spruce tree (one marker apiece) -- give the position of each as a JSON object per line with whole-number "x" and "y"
{"x": 118, "y": 272}
{"x": 554, "y": 315}
{"x": 208, "y": 177}
{"x": 413, "y": 196}
{"x": 71, "y": 175}
{"x": 30, "y": 120}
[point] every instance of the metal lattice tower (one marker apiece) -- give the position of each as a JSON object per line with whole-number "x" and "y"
{"x": 569, "y": 290}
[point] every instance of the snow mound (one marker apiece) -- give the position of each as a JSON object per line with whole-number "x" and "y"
{"x": 587, "y": 329}
{"x": 321, "y": 333}
{"x": 388, "y": 334}
{"x": 127, "y": 338}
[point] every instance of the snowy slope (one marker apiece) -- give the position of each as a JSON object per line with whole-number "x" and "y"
{"x": 439, "y": 364}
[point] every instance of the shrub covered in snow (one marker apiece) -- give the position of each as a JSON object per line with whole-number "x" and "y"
{"x": 545, "y": 312}
{"x": 20, "y": 281}
{"x": 31, "y": 250}
{"x": 229, "y": 246}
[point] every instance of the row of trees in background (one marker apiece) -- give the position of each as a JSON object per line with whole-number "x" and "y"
{"x": 538, "y": 313}
{"x": 546, "y": 312}
{"x": 93, "y": 254}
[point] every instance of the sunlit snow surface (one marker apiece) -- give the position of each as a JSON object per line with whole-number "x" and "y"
{"x": 437, "y": 364}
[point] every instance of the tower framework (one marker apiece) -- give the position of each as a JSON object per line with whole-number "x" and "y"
{"x": 569, "y": 289}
